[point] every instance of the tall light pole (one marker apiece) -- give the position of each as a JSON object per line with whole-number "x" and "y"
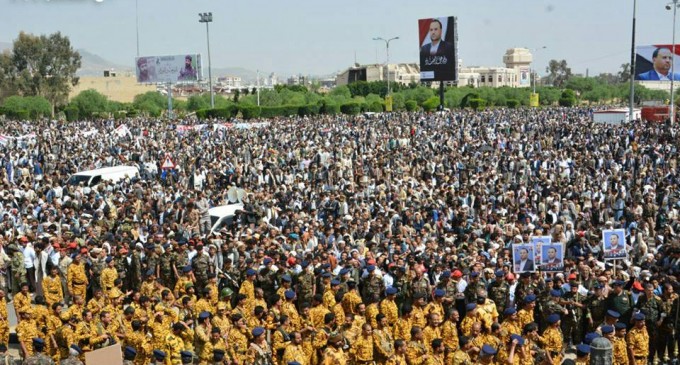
{"x": 137, "y": 24}
{"x": 631, "y": 100}
{"x": 387, "y": 49}
{"x": 207, "y": 19}
{"x": 673, "y": 5}
{"x": 533, "y": 62}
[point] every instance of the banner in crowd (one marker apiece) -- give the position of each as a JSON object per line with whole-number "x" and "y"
{"x": 614, "y": 244}
{"x": 169, "y": 69}
{"x": 523, "y": 256}
{"x": 655, "y": 62}
{"x": 4, "y": 139}
{"x": 122, "y": 130}
{"x": 552, "y": 257}
{"x": 438, "y": 49}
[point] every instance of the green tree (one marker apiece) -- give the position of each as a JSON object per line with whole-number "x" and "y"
{"x": 151, "y": 102}
{"x": 90, "y": 102}
{"x": 24, "y": 107}
{"x": 624, "y": 74}
{"x": 42, "y": 65}
{"x": 340, "y": 93}
{"x": 198, "y": 102}
{"x": 558, "y": 72}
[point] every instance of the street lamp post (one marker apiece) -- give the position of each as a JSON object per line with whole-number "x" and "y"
{"x": 387, "y": 49}
{"x": 533, "y": 62}
{"x": 631, "y": 100}
{"x": 674, "y": 5}
{"x": 207, "y": 18}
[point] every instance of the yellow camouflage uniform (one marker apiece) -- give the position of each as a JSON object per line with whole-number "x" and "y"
{"x": 620, "y": 348}
{"x": 206, "y": 353}
{"x": 638, "y": 339}
{"x": 402, "y": 329}
{"x": 108, "y": 277}
{"x": 288, "y": 308}
{"x": 329, "y": 299}
{"x": 396, "y": 360}
{"x": 389, "y": 309}
{"x": 372, "y": 310}
{"x": 450, "y": 335}
{"x": 459, "y": 357}
{"x": 238, "y": 345}
{"x": 53, "y": 324}
{"x": 525, "y": 317}
{"x": 434, "y": 307}
{"x": 430, "y": 333}
{"x": 65, "y": 337}
{"x": 435, "y": 359}
{"x": 350, "y": 301}
{"x": 174, "y": 345}
{"x": 418, "y": 317}
{"x": 362, "y": 349}
{"x": 294, "y": 353}
{"x": 333, "y": 356}
{"x": 415, "y": 351}
{"x": 4, "y": 322}
{"x": 384, "y": 344}
{"x": 76, "y": 279}
{"x": 26, "y": 332}
{"x": 22, "y": 302}
{"x": 148, "y": 288}
{"x": 552, "y": 342}
{"x": 53, "y": 290}
{"x": 139, "y": 342}
{"x": 317, "y": 314}
{"x": 248, "y": 290}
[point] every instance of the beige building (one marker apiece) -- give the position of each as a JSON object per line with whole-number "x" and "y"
{"x": 516, "y": 73}
{"x": 121, "y": 88}
{"x": 403, "y": 73}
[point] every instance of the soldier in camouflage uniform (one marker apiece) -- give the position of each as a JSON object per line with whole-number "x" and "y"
{"x": 18, "y": 267}
{"x": 420, "y": 285}
{"x": 573, "y": 321}
{"x": 98, "y": 265}
{"x": 305, "y": 284}
{"x": 551, "y": 306}
{"x": 5, "y": 357}
{"x": 73, "y": 353}
{"x": 129, "y": 355}
{"x": 371, "y": 284}
{"x": 122, "y": 267}
{"x": 473, "y": 287}
{"x": 166, "y": 263}
{"x": 402, "y": 284}
{"x": 136, "y": 267}
{"x": 652, "y": 306}
{"x": 525, "y": 286}
{"x": 449, "y": 289}
{"x": 201, "y": 266}
{"x": 38, "y": 358}
{"x": 151, "y": 260}
{"x": 266, "y": 278}
{"x": 596, "y": 308}
{"x": 499, "y": 292}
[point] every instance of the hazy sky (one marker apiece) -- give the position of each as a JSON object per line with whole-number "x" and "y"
{"x": 322, "y": 37}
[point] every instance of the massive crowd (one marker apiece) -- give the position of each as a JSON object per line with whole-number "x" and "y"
{"x": 362, "y": 240}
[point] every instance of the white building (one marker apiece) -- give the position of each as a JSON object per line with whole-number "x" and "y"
{"x": 231, "y": 82}
{"x": 516, "y": 73}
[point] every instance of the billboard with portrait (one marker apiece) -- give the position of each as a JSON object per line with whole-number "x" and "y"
{"x": 523, "y": 257}
{"x": 552, "y": 258}
{"x": 655, "y": 62}
{"x": 172, "y": 69}
{"x": 524, "y": 76}
{"x": 438, "y": 42}
{"x": 614, "y": 244}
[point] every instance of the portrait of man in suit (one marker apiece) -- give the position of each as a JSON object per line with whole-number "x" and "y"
{"x": 614, "y": 243}
{"x": 523, "y": 259}
{"x": 437, "y": 46}
{"x": 662, "y": 62}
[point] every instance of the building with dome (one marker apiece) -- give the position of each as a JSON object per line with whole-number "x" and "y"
{"x": 516, "y": 73}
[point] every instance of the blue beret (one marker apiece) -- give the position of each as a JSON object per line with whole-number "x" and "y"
{"x": 129, "y": 351}
{"x": 613, "y": 314}
{"x": 548, "y": 280}
{"x": 553, "y": 318}
{"x": 445, "y": 275}
{"x": 344, "y": 271}
{"x": 590, "y": 337}
{"x": 304, "y": 264}
{"x": 150, "y": 272}
{"x": 326, "y": 274}
{"x": 555, "y": 293}
{"x": 294, "y": 236}
{"x": 258, "y": 331}
{"x": 293, "y": 363}
{"x": 439, "y": 292}
{"x": 286, "y": 278}
{"x": 204, "y": 315}
{"x": 598, "y": 286}
{"x": 186, "y": 354}
{"x": 335, "y": 282}
{"x": 186, "y": 268}
{"x": 159, "y": 354}
{"x": 509, "y": 311}
{"x": 38, "y": 342}
{"x": 620, "y": 326}
{"x": 530, "y": 298}
{"x": 520, "y": 340}
{"x": 267, "y": 260}
{"x": 470, "y": 306}
{"x": 499, "y": 273}
{"x": 583, "y": 348}
{"x": 289, "y": 294}
{"x": 488, "y": 350}
{"x": 474, "y": 274}
{"x": 639, "y": 316}
{"x": 251, "y": 272}
{"x": 618, "y": 283}
{"x": 370, "y": 268}
{"x": 108, "y": 259}
{"x": 77, "y": 348}
{"x": 391, "y": 290}
{"x": 607, "y": 329}
{"x": 326, "y": 266}
{"x": 166, "y": 246}
{"x": 150, "y": 246}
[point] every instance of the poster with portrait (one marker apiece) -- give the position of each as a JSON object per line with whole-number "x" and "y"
{"x": 438, "y": 49}
{"x": 614, "y": 244}
{"x": 655, "y": 63}
{"x": 523, "y": 257}
{"x": 552, "y": 257}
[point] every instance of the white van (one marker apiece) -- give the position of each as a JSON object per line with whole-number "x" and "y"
{"x": 222, "y": 216}
{"x": 92, "y": 178}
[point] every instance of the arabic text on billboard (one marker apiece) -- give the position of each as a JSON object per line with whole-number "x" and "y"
{"x": 438, "y": 49}
{"x": 177, "y": 68}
